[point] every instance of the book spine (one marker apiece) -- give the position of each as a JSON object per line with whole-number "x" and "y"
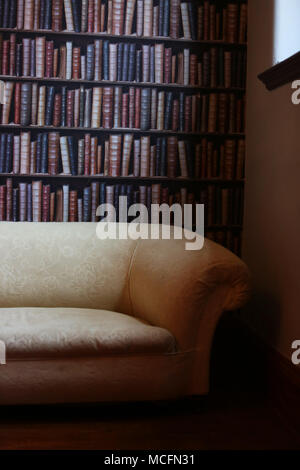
{"x": 69, "y": 15}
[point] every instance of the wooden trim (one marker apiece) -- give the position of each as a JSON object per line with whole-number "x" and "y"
{"x": 280, "y": 74}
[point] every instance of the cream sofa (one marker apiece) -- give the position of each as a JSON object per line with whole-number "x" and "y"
{"x": 87, "y": 320}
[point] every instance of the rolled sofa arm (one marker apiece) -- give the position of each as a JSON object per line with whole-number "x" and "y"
{"x": 186, "y": 292}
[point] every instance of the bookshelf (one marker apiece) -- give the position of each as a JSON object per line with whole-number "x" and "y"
{"x": 187, "y": 96}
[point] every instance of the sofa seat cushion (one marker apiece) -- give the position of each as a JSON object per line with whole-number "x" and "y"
{"x": 36, "y": 333}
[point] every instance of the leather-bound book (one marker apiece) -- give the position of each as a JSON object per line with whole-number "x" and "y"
{"x": 146, "y": 63}
{"x": 167, "y": 65}
{"x": 118, "y": 17}
{"x": 166, "y": 21}
{"x": 106, "y": 158}
{"x": 96, "y": 107}
{"x": 38, "y": 153}
{"x": 163, "y": 157}
{"x": 9, "y": 199}
{"x": 90, "y": 62}
{"x": 97, "y": 16}
{"x": 168, "y": 110}
{"x": 29, "y": 202}
{"x": 52, "y": 207}
{"x": 88, "y": 108}
{"x": 212, "y": 22}
{"x": 174, "y": 18}
{"x": 240, "y": 160}
{"x": 25, "y": 109}
{"x": 130, "y": 8}
{"x": 152, "y": 64}
{"x": 36, "y": 15}
{"x": 57, "y": 14}
{"x": 15, "y": 204}
{"x": 107, "y": 107}
{"x": 28, "y": 14}
{"x": 69, "y": 15}
{"x": 200, "y": 22}
{"x": 152, "y": 160}
{"x": 87, "y": 204}
{"x": 62, "y": 62}
{"x": 145, "y": 109}
{"x": 229, "y": 159}
{"x": 16, "y": 154}
{"x": 192, "y": 20}
{"x": 63, "y": 106}
{"x": 175, "y": 115}
{"x": 76, "y": 15}
{"x": 80, "y": 164}
{"x": 20, "y": 14}
{"x": 117, "y": 106}
{"x": 227, "y": 68}
{"x": 49, "y": 106}
{"x": 2, "y": 202}
{"x": 9, "y": 153}
{"x": 42, "y": 14}
{"x": 12, "y": 13}
{"x": 46, "y": 203}
{"x": 87, "y": 154}
{"x": 187, "y": 113}
{"x": 70, "y": 108}
{"x": 44, "y": 154}
{"x": 5, "y": 14}
{"x": 136, "y": 157}
{"x": 72, "y": 154}
{"x": 182, "y": 159}
{"x": 186, "y": 67}
{"x": 181, "y": 111}
{"x": 232, "y": 113}
{"x": 137, "y": 118}
{"x": 26, "y": 56}
{"x": 127, "y": 148}
{"x": 154, "y": 96}
{"x": 65, "y": 155}
{"x": 159, "y": 63}
{"x": 193, "y": 70}
{"x": 98, "y": 60}
{"x": 22, "y": 202}
{"x": 90, "y": 24}
{"x": 160, "y": 110}
{"x": 125, "y": 62}
{"x": 106, "y": 60}
{"x": 32, "y": 58}
{"x": 139, "y": 17}
{"x": 80, "y": 209}
{"x": 109, "y": 17}
{"x": 138, "y": 66}
{"x": 55, "y": 62}
{"x": 99, "y": 159}
{"x": 32, "y": 166}
{"x": 19, "y": 60}
{"x": 81, "y": 106}
{"x": 243, "y": 23}
{"x": 57, "y": 110}
{"x": 93, "y": 166}
{"x": 115, "y": 144}
{"x": 3, "y": 141}
{"x": 124, "y": 123}
{"x": 103, "y": 16}
{"x": 206, "y": 69}
{"x": 206, "y": 20}
{"x": 131, "y": 107}
{"x": 113, "y": 62}
{"x": 40, "y": 53}
{"x": 145, "y": 156}
{"x": 59, "y": 206}
{"x": 155, "y": 20}
{"x": 185, "y": 20}
{"x": 161, "y": 17}
{"x": 12, "y": 54}
{"x": 48, "y": 11}
{"x": 25, "y": 153}
{"x": 131, "y": 64}
{"x": 69, "y": 57}
{"x": 76, "y": 63}
{"x": 232, "y": 22}
{"x": 53, "y": 153}
{"x": 148, "y": 17}
{"x": 49, "y": 59}
{"x": 17, "y": 99}
{"x": 73, "y": 215}
{"x": 84, "y": 15}
{"x": 76, "y": 107}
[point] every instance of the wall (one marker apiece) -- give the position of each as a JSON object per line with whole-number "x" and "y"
{"x": 271, "y": 245}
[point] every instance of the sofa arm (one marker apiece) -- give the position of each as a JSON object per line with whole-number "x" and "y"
{"x": 186, "y": 291}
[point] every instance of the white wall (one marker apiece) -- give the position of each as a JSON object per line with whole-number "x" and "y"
{"x": 271, "y": 244}
{"x": 286, "y": 29}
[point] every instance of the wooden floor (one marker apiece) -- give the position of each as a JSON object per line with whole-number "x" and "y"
{"x": 236, "y": 415}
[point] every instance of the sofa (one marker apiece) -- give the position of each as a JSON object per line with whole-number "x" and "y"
{"x": 89, "y": 320}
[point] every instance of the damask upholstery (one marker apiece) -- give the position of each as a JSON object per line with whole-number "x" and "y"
{"x": 87, "y": 320}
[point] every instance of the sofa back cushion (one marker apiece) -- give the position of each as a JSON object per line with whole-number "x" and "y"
{"x": 63, "y": 265}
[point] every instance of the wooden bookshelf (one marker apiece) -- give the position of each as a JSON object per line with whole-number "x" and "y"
{"x": 210, "y": 187}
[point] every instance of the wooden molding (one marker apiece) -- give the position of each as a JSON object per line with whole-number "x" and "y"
{"x": 280, "y": 74}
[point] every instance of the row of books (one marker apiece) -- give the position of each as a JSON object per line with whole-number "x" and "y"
{"x": 121, "y": 156}
{"x": 40, "y": 202}
{"x": 114, "y": 107}
{"x": 102, "y": 60}
{"x": 168, "y": 18}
